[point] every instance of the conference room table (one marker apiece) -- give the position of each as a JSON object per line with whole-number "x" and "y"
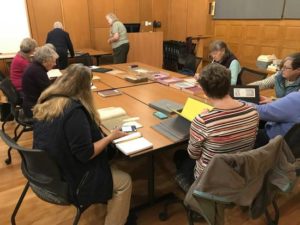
{"x": 135, "y": 99}
{"x": 98, "y": 54}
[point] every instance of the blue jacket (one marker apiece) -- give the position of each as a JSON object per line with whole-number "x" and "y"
{"x": 281, "y": 114}
{"x": 282, "y": 90}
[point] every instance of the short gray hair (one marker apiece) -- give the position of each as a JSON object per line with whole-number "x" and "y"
{"x": 58, "y": 24}
{"x": 28, "y": 45}
{"x": 44, "y": 54}
{"x": 112, "y": 16}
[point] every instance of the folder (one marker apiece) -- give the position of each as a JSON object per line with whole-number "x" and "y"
{"x": 192, "y": 108}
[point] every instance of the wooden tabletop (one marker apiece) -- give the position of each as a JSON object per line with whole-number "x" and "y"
{"x": 93, "y": 52}
{"x": 134, "y": 108}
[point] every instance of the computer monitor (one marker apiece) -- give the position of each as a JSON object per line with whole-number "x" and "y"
{"x": 132, "y": 27}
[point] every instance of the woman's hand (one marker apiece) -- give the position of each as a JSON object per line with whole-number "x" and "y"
{"x": 116, "y": 133}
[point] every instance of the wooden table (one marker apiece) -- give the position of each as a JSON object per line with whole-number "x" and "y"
{"x": 94, "y": 53}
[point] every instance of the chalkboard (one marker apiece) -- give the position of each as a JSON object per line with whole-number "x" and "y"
{"x": 249, "y": 9}
{"x": 292, "y": 9}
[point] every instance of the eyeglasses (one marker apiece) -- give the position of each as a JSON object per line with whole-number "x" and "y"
{"x": 286, "y": 68}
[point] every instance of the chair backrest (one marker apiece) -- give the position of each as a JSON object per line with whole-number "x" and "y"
{"x": 85, "y": 59}
{"x": 248, "y": 76}
{"x": 42, "y": 173}
{"x": 292, "y": 138}
{"x": 10, "y": 92}
{"x": 2, "y": 76}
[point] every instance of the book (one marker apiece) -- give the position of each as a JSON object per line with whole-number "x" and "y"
{"x": 136, "y": 79}
{"x": 54, "y": 73}
{"x": 192, "y": 108}
{"x": 193, "y": 90}
{"x": 127, "y": 137}
{"x": 166, "y": 106}
{"x": 109, "y": 92}
{"x": 169, "y": 80}
{"x": 175, "y": 128}
{"x": 182, "y": 85}
{"x": 101, "y": 70}
{"x": 112, "y": 117}
{"x": 156, "y": 76}
{"x": 133, "y": 146}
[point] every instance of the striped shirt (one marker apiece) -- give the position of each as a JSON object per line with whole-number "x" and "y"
{"x": 221, "y": 131}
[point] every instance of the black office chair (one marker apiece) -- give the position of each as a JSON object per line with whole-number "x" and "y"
{"x": 16, "y": 111}
{"x": 84, "y": 59}
{"x": 44, "y": 178}
{"x": 247, "y": 76}
{"x": 292, "y": 138}
{"x": 188, "y": 64}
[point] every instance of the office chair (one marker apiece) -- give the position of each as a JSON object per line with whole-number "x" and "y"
{"x": 84, "y": 59}
{"x": 247, "y": 76}
{"x": 16, "y": 111}
{"x": 254, "y": 178}
{"x": 44, "y": 178}
{"x": 292, "y": 139}
{"x": 188, "y": 64}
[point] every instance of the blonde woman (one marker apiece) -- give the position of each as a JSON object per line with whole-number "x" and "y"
{"x": 118, "y": 38}
{"x": 67, "y": 128}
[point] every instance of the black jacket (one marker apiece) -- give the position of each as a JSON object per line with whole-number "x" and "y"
{"x": 61, "y": 40}
{"x": 69, "y": 141}
{"x": 35, "y": 80}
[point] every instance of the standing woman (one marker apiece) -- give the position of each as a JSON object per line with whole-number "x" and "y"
{"x": 118, "y": 39}
{"x": 67, "y": 128}
{"x": 62, "y": 42}
{"x": 21, "y": 61}
{"x": 222, "y": 55}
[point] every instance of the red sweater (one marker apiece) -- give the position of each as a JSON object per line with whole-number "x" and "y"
{"x": 17, "y": 68}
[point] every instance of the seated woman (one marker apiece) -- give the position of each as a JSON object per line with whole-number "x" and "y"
{"x": 68, "y": 129}
{"x": 284, "y": 81}
{"x": 21, "y": 61}
{"x": 222, "y": 55}
{"x": 35, "y": 79}
{"x": 280, "y": 115}
{"x": 229, "y": 127}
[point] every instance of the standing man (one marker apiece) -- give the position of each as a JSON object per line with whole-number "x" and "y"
{"x": 62, "y": 42}
{"x": 118, "y": 39}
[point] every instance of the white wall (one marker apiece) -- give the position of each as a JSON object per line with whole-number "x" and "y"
{"x": 14, "y": 25}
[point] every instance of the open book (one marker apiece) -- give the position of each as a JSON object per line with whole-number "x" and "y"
{"x": 132, "y": 143}
{"x": 112, "y": 117}
{"x": 54, "y": 73}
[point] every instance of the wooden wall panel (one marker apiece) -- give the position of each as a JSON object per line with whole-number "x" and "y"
{"x": 98, "y": 9}
{"x": 100, "y": 37}
{"x": 194, "y": 24}
{"x": 253, "y": 38}
{"x": 76, "y": 22}
{"x": 160, "y": 13}
{"x": 178, "y": 20}
{"x": 42, "y": 15}
{"x": 128, "y": 11}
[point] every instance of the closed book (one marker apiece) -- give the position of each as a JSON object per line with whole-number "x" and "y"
{"x": 168, "y": 81}
{"x": 182, "y": 85}
{"x": 101, "y": 70}
{"x": 193, "y": 90}
{"x": 108, "y": 93}
{"x": 134, "y": 146}
{"x": 166, "y": 106}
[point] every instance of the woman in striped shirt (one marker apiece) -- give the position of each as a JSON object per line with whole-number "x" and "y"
{"x": 230, "y": 127}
